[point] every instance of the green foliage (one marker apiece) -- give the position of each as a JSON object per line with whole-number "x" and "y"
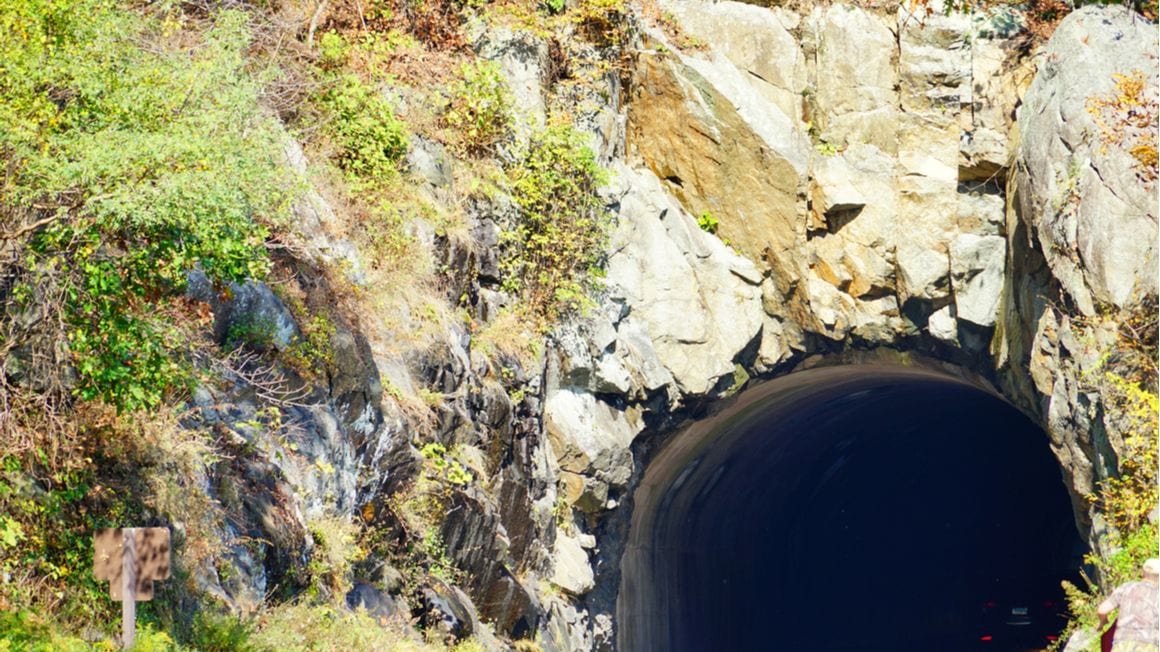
{"x": 1119, "y": 567}
{"x": 23, "y": 631}
{"x": 552, "y": 255}
{"x": 312, "y": 351}
{"x": 333, "y": 50}
{"x": 55, "y": 523}
{"x": 707, "y": 222}
{"x": 445, "y": 466}
{"x": 336, "y": 547}
{"x": 221, "y": 633}
{"x": 1127, "y": 118}
{"x": 1126, "y": 381}
{"x": 369, "y": 138}
{"x": 1127, "y": 498}
{"x": 253, "y": 332}
{"x": 303, "y": 627}
{"x": 141, "y": 161}
{"x": 480, "y": 107}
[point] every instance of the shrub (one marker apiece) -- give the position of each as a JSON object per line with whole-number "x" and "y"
{"x": 336, "y": 548}
{"x": 302, "y": 627}
{"x": 553, "y": 254}
{"x": 480, "y": 107}
{"x": 128, "y": 163}
{"x": 369, "y": 138}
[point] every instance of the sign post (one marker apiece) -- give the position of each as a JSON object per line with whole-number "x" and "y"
{"x": 131, "y": 559}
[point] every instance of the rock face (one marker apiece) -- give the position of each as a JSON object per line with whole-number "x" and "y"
{"x": 909, "y": 219}
{"x": 859, "y": 173}
{"x": 1082, "y": 227}
{"x": 723, "y": 150}
{"x": 1082, "y": 199}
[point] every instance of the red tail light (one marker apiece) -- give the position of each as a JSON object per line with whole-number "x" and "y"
{"x": 1052, "y": 638}
{"x": 1050, "y": 604}
{"x": 989, "y": 604}
{"x": 988, "y": 637}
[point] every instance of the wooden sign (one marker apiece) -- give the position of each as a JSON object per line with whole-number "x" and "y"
{"x": 131, "y": 559}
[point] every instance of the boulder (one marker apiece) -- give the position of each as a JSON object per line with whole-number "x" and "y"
{"x": 1086, "y": 202}
{"x": 247, "y": 312}
{"x": 377, "y": 604}
{"x": 977, "y": 266}
{"x": 943, "y": 326}
{"x": 571, "y": 570}
{"x": 588, "y": 436}
{"x": 922, "y": 273}
{"x": 697, "y": 300}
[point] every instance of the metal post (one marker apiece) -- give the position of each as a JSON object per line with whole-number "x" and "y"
{"x": 129, "y": 587}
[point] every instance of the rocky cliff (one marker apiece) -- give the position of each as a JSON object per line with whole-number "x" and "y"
{"x": 786, "y": 189}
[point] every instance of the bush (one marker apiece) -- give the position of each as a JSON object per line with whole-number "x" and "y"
{"x": 553, "y": 254}
{"x": 370, "y": 139}
{"x": 129, "y": 162}
{"x": 480, "y": 107}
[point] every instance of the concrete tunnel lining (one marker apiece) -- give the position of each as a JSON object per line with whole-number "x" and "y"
{"x": 711, "y": 506}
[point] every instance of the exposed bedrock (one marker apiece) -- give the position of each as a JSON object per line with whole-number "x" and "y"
{"x": 841, "y": 185}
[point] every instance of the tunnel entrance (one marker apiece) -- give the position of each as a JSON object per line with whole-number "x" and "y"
{"x": 856, "y": 508}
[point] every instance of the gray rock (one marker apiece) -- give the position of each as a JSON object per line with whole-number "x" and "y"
{"x": 449, "y": 610}
{"x": 522, "y": 58}
{"x": 248, "y": 312}
{"x": 977, "y": 265}
{"x": 589, "y": 437}
{"x": 640, "y": 358}
{"x": 922, "y": 273}
{"x": 679, "y": 282}
{"x": 611, "y": 376}
{"x": 1096, "y": 219}
{"x": 427, "y": 160}
{"x": 571, "y": 570}
{"x": 943, "y": 326}
{"x": 376, "y": 603}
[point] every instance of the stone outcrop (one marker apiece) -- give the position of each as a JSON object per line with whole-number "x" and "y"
{"x": 867, "y": 192}
{"x": 723, "y": 150}
{"x": 1082, "y": 236}
{"x": 1084, "y": 200}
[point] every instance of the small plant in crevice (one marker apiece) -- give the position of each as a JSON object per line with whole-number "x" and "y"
{"x": 708, "y": 222}
{"x": 445, "y": 466}
{"x": 336, "y": 548}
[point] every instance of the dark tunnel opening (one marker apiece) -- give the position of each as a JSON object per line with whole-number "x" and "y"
{"x": 857, "y": 508}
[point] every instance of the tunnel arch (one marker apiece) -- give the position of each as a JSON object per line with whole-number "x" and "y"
{"x": 886, "y": 500}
